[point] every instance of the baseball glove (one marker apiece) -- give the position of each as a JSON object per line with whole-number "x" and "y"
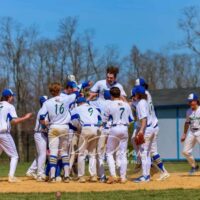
{"x": 139, "y": 139}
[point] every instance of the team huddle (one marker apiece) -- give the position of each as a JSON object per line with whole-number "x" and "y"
{"x": 73, "y": 126}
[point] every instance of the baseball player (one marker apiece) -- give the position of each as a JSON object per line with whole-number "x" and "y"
{"x": 155, "y": 156}
{"x": 36, "y": 170}
{"x": 8, "y": 117}
{"x": 121, "y": 115}
{"x": 101, "y": 147}
{"x": 191, "y": 134}
{"x": 57, "y": 109}
{"x": 144, "y": 134}
{"x": 100, "y": 92}
{"x": 90, "y": 120}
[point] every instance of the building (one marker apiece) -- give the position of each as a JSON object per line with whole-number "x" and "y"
{"x": 171, "y": 106}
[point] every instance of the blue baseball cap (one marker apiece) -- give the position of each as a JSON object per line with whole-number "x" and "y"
{"x": 8, "y": 92}
{"x": 107, "y": 95}
{"x": 81, "y": 100}
{"x": 139, "y": 90}
{"x": 42, "y": 99}
{"x": 192, "y": 97}
{"x": 140, "y": 81}
{"x": 71, "y": 84}
{"x": 133, "y": 92}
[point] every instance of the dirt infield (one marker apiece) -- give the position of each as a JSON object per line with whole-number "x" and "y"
{"x": 177, "y": 180}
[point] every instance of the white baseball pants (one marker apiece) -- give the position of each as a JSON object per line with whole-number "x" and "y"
{"x": 117, "y": 144}
{"x": 191, "y": 140}
{"x": 7, "y": 145}
{"x": 87, "y": 143}
{"x": 38, "y": 164}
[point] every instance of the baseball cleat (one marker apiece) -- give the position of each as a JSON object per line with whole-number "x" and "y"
{"x": 103, "y": 179}
{"x": 31, "y": 175}
{"x": 122, "y": 180}
{"x": 66, "y": 179}
{"x": 13, "y": 179}
{"x": 142, "y": 179}
{"x": 52, "y": 180}
{"x": 93, "y": 179}
{"x": 81, "y": 179}
{"x": 112, "y": 179}
{"x": 163, "y": 176}
{"x": 193, "y": 170}
{"x": 40, "y": 179}
{"x": 137, "y": 168}
{"x": 58, "y": 179}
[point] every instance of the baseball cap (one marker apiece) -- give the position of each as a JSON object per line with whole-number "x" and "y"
{"x": 107, "y": 95}
{"x": 140, "y": 81}
{"x": 71, "y": 84}
{"x": 133, "y": 92}
{"x": 192, "y": 97}
{"x": 81, "y": 100}
{"x": 42, "y": 99}
{"x": 139, "y": 90}
{"x": 8, "y": 92}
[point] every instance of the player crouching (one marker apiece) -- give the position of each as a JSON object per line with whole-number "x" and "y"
{"x": 191, "y": 134}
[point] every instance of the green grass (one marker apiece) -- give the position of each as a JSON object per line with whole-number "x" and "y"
{"x": 22, "y": 167}
{"x": 178, "y": 194}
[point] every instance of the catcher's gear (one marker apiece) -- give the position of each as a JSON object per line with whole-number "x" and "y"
{"x": 139, "y": 139}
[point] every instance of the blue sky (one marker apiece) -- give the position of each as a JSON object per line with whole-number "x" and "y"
{"x": 149, "y": 24}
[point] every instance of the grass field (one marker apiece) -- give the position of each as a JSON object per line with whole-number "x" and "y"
{"x": 178, "y": 194}
{"x": 122, "y": 195}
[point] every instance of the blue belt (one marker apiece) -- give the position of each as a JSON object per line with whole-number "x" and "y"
{"x": 148, "y": 125}
{"x": 114, "y": 125}
{"x": 96, "y": 125}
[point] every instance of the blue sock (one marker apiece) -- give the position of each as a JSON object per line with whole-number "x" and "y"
{"x": 157, "y": 160}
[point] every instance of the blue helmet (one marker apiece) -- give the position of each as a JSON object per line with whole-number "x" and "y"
{"x": 192, "y": 97}
{"x": 42, "y": 99}
{"x": 140, "y": 81}
{"x": 139, "y": 90}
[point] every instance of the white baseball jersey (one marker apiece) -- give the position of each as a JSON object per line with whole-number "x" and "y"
{"x": 7, "y": 113}
{"x": 100, "y": 104}
{"x": 119, "y": 111}
{"x": 193, "y": 118}
{"x": 101, "y": 86}
{"x": 87, "y": 114}
{"x": 154, "y": 119}
{"x": 57, "y": 109}
{"x": 38, "y": 126}
{"x": 142, "y": 109}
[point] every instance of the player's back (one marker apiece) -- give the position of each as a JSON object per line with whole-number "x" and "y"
{"x": 152, "y": 112}
{"x": 58, "y": 109}
{"x": 142, "y": 109}
{"x": 120, "y": 112}
{"x": 88, "y": 114}
{"x": 6, "y": 114}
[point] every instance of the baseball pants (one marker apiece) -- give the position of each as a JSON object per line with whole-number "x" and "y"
{"x": 7, "y": 145}
{"x": 59, "y": 142}
{"x": 101, "y": 152}
{"x": 191, "y": 140}
{"x": 87, "y": 143}
{"x": 38, "y": 164}
{"x": 145, "y": 151}
{"x": 117, "y": 144}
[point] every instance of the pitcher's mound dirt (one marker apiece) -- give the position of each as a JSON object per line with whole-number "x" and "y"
{"x": 176, "y": 180}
